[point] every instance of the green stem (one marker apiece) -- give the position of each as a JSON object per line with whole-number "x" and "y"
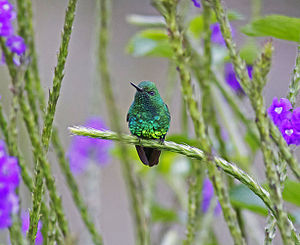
{"x": 270, "y": 230}
{"x": 45, "y": 226}
{"x": 139, "y": 216}
{"x": 64, "y": 165}
{"x": 295, "y": 83}
{"x": 193, "y": 201}
{"x": 253, "y": 90}
{"x": 206, "y": 223}
{"x": 275, "y": 133}
{"x": 24, "y": 31}
{"x": 15, "y": 233}
{"x": 58, "y": 73}
{"x": 48, "y": 121}
{"x": 32, "y": 53}
{"x": 14, "y": 151}
{"x": 168, "y": 9}
{"x": 251, "y": 127}
{"x": 186, "y": 150}
{"x": 10, "y": 134}
{"x": 38, "y": 151}
{"x": 284, "y": 150}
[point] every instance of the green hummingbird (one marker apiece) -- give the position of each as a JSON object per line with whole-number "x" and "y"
{"x": 149, "y": 118}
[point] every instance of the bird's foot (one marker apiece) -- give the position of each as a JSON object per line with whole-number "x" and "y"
{"x": 161, "y": 141}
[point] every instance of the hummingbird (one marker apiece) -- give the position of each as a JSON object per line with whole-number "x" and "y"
{"x": 149, "y": 118}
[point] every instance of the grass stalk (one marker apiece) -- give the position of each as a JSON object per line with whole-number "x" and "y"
{"x": 186, "y": 150}
{"x": 253, "y": 90}
{"x": 38, "y": 152}
{"x": 295, "y": 83}
{"x": 168, "y": 10}
{"x": 33, "y": 71}
{"x": 139, "y": 215}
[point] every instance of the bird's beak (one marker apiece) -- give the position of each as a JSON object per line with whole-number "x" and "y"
{"x": 137, "y": 87}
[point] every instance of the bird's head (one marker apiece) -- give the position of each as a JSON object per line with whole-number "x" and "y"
{"x": 146, "y": 91}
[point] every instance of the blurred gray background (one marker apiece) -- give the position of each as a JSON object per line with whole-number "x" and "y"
{"x": 106, "y": 191}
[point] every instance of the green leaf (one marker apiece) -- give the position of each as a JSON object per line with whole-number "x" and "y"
{"x": 162, "y": 214}
{"x": 291, "y": 192}
{"x": 278, "y": 26}
{"x": 196, "y": 24}
{"x": 249, "y": 52}
{"x": 242, "y": 197}
{"x": 150, "y": 42}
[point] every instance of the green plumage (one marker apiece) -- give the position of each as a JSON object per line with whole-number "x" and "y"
{"x": 148, "y": 116}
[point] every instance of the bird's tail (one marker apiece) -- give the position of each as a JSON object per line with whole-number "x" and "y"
{"x": 149, "y": 156}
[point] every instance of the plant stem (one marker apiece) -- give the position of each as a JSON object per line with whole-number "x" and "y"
{"x": 186, "y": 150}
{"x": 253, "y": 90}
{"x": 270, "y": 230}
{"x": 285, "y": 151}
{"x": 34, "y": 61}
{"x": 13, "y": 151}
{"x": 139, "y": 216}
{"x": 24, "y": 31}
{"x": 295, "y": 83}
{"x": 49, "y": 116}
{"x": 64, "y": 165}
{"x": 15, "y": 233}
{"x": 38, "y": 151}
{"x": 193, "y": 201}
{"x": 168, "y": 9}
{"x": 58, "y": 73}
{"x": 275, "y": 133}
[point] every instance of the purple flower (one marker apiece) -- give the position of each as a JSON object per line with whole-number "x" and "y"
{"x": 25, "y": 227}
{"x": 16, "y": 60}
{"x": 5, "y": 214}
{"x": 10, "y": 172}
{"x": 232, "y": 80}
{"x": 289, "y": 133}
{"x": 6, "y": 28}
{"x": 250, "y": 69}
{"x": 9, "y": 205}
{"x": 296, "y": 119}
{"x": 216, "y": 35}
{"x": 280, "y": 110}
{"x": 16, "y": 44}
{"x": 7, "y": 11}
{"x": 83, "y": 148}
{"x": 207, "y": 195}
{"x": 9, "y": 180}
{"x": 196, "y": 3}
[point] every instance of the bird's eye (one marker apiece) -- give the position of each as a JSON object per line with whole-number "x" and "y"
{"x": 151, "y": 93}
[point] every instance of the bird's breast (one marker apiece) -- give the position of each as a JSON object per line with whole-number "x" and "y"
{"x": 148, "y": 125}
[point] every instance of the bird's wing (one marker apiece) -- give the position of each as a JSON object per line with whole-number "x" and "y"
{"x": 127, "y": 117}
{"x": 168, "y": 111}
